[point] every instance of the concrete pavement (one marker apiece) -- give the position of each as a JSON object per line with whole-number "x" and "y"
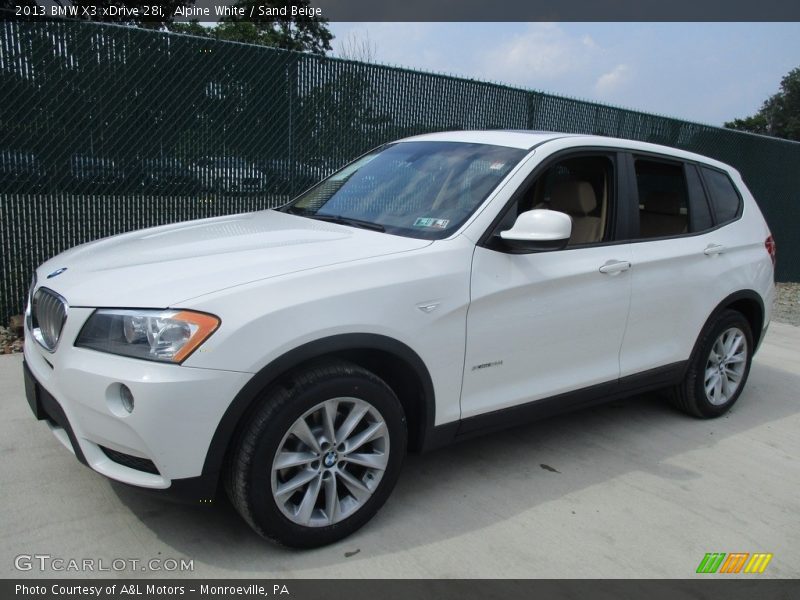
{"x": 629, "y": 489}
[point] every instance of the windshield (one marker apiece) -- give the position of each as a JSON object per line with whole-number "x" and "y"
{"x": 415, "y": 189}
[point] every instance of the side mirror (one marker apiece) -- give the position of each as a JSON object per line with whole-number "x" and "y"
{"x": 538, "y": 231}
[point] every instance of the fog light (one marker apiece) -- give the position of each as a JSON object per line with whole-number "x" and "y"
{"x": 126, "y": 396}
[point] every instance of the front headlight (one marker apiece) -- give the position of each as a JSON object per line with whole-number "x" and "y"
{"x": 160, "y": 335}
{"x": 29, "y": 304}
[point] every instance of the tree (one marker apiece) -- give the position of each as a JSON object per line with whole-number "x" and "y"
{"x": 301, "y": 33}
{"x": 358, "y": 47}
{"x": 779, "y": 115}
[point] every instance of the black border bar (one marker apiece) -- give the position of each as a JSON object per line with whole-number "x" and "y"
{"x": 460, "y": 10}
{"x": 704, "y": 587}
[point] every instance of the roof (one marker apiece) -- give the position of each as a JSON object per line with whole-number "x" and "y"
{"x": 511, "y": 138}
{"x": 528, "y": 139}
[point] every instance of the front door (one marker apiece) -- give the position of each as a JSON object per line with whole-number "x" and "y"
{"x": 552, "y": 322}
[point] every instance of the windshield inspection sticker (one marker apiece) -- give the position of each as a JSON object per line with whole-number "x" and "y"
{"x": 428, "y": 222}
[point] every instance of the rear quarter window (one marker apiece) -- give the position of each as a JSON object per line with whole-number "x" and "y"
{"x": 725, "y": 198}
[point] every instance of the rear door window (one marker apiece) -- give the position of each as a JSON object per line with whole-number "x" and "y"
{"x": 663, "y": 198}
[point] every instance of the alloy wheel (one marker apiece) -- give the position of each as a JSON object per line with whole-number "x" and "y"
{"x": 330, "y": 462}
{"x": 725, "y": 366}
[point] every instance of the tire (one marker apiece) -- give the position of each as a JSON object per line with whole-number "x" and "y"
{"x": 725, "y": 378}
{"x": 275, "y": 452}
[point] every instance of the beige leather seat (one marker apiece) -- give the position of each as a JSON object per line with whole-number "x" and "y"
{"x": 661, "y": 215}
{"x": 577, "y": 199}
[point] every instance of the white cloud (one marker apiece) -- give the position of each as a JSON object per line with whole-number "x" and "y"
{"x": 589, "y": 42}
{"x": 544, "y": 51}
{"x": 610, "y": 83}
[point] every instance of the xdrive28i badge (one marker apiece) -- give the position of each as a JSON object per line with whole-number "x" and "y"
{"x": 57, "y": 272}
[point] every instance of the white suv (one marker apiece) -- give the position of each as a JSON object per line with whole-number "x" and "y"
{"x": 436, "y": 288}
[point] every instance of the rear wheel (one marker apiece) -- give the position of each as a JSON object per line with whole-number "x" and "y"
{"x": 718, "y": 368}
{"x": 319, "y": 457}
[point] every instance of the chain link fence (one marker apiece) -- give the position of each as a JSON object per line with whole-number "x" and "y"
{"x": 105, "y": 129}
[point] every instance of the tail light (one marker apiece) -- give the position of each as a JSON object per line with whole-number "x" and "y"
{"x": 769, "y": 244}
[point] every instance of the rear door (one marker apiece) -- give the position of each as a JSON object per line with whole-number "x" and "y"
{"x": 677, "y": 255}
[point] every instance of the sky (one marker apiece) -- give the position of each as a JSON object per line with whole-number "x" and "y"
{"x": 704, "y": 72}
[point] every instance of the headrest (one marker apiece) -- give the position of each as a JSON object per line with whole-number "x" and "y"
{"x": 663, "y": 203}
{"x": 573, "y": 198}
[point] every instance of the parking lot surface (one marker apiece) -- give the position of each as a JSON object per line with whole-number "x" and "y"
{"x": 628, "y": 489}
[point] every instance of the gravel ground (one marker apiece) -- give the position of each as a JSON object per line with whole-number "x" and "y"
{"x": 10, "y": 341}
{"x": 787, "y": 303}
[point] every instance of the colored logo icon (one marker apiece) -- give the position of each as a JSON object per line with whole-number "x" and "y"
{"x": 735, "y": 562}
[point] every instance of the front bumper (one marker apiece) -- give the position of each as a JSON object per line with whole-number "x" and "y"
{"x": 162, "y": 444}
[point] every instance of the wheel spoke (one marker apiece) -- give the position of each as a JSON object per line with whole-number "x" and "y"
{"x": 371, "y": 461}
{"x": 711, "y": 383}
{"x": 294, "y": 459}
{"x": 357, "y": 413}
{"x": 295, "y": 483}
{"x": 735, "y": 344}
{"x": 718, "y": 351}
{"x": 726, "y": 386}
{"x": 329, "y": 410}
{"x": 302, "y": 432}
{"x": 306, "y": 507}
{"x": 733, "y": 376}
{"x": 331, "y": 498}
{"x": 370, "y": 433}
{"x": 355, "y": 486}
{"x": 718, "y": 389}
{"x": 736, "y": 358}
{"x": 710, "y": 372}
{"x": 723, "y": 344}
{"x": 727, "y": 342}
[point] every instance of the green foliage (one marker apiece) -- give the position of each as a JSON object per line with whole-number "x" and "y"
{"x": 779, "y": 115}
{"x": 349, "y": 115}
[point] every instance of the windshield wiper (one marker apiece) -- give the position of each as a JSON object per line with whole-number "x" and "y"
{"x": 294, "y": 210}
{"x": 305, "y": 212}
{"x": 347, "y": 221}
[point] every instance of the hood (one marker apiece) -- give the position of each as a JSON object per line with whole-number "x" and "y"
{"x": 163, "y": 266}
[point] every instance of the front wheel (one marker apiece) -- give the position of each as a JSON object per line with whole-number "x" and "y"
{"x": 319, "y": 457}
{"x": 718, "y": 368}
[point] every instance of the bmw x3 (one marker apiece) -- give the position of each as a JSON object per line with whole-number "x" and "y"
{"x": 436, "y": 288}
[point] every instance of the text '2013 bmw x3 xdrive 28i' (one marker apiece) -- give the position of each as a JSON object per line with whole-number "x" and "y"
{"x": 437, "y": 287}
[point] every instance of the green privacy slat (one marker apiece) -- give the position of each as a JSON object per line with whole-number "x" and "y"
{"x": 105, "y": 129}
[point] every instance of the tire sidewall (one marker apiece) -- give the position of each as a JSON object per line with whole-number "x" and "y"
{"x": 725, "y": 321}
{"x": 266, "y": 513}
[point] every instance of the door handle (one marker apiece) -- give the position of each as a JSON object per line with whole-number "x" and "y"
{"x": 712, "y": 249}
{"x": 613, "y": 267}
